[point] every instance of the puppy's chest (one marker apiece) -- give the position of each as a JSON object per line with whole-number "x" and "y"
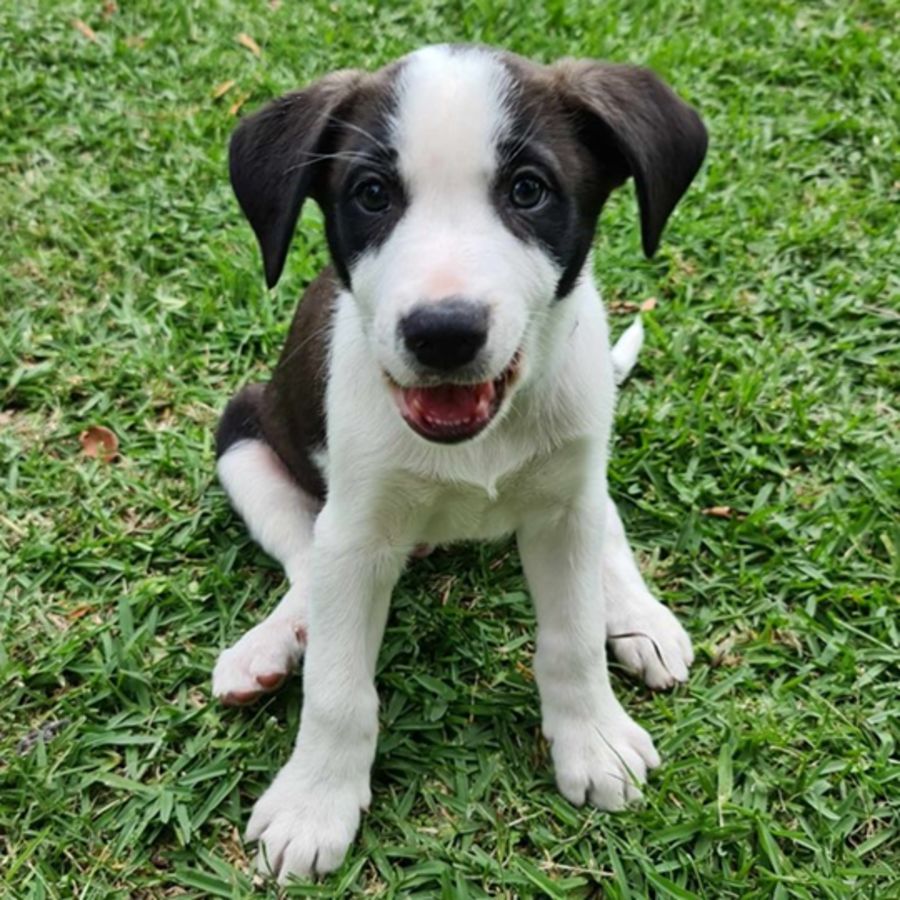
{"x": 447, "y": 512}
{"x": 459, "y": 512}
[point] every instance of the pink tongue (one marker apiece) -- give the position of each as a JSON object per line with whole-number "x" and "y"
{"x": 451, "y": 403}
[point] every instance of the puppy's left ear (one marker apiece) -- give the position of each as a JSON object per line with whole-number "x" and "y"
{"x": 661, "y": 139}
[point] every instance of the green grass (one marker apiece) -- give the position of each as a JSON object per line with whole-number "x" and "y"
{"x": 132, "y": 297}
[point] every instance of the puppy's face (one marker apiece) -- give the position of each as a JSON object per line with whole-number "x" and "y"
{"x": 461, "y": 189}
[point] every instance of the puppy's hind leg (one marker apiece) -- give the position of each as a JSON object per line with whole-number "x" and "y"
{"x": 280, "y": 517}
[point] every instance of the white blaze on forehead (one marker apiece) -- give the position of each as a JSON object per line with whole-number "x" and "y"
{"x": 451, "y": 112}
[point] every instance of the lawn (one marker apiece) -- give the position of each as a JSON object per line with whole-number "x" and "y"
{"x": 756, "y": 465}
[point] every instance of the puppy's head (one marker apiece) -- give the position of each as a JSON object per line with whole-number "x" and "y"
{"x": 461, "y": 188}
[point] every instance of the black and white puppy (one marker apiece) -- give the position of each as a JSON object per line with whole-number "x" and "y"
{"x": 449, "y": 378}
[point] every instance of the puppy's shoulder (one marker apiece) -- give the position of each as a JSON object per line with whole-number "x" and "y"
{"x": 294, "y": 412}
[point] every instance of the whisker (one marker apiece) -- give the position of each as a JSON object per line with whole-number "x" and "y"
{"x": 352, "y": 126}
{"x": 321, "y": 157}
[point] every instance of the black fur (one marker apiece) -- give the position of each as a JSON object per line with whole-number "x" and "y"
{"x": 661, "y": 139}
{"x": 241, "y": 419}
{"x": 275, "y": 159}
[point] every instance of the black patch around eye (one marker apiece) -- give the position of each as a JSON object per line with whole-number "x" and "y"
{"x": 361, "y": 153}
{"x": 537, "y": 210}
{"x": 545, "y": 132}
{"x": 564, "y": 221}
{"x": 361, "y": 216}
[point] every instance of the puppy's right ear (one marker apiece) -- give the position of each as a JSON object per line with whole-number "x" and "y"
{"x": 273, "y": 159}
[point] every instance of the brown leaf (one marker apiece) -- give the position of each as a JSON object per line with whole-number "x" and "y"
{"x": 98, "y": 442}
{"x": 622, "y": 306}
{"x": 78, "y": 612}
{"x": 274, "y": 5}
{"x": 220, "y": 90}
{"x": 245, "y": 40}
{"x": 235, "y": 107}
{"x": 648, "y": 304}
{"x": 110, "y": 8}
{"x": 85, "y": 30}
{"x": 719, "y": 512}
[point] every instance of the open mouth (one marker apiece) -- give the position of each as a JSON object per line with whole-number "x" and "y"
{"x": 451, "y": 413}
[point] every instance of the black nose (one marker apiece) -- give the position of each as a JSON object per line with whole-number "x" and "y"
{"x": 447, "y": 334}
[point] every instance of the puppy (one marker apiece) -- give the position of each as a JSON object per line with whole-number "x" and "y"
{"x": 449, "y": 377}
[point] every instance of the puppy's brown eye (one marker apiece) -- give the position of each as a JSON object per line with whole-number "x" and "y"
{"x": 372, "y": 195}
{"x": 527, "y": 192}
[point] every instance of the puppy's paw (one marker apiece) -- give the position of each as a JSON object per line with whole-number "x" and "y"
{"x": 304, "y": 829}
{"x": 603, "y": 763}
{"x": 259, "y": 662}
{"x": 649, "y": 642}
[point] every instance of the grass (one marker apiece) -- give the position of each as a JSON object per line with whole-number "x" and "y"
{"x": 132, "y": 298}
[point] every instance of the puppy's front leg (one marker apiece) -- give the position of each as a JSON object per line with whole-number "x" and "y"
{"x": 599, "y": 752}
{"x": 308, "y": 817}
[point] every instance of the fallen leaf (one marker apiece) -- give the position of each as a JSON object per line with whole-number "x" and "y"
{"x": 98, "y": 442}
{"x": 110, "y": 8}
{"x": 135, "y": 41}
{"x": 274, "y": 5}
{"x": 648, "y": 304}
{"x": 718, "y": 512}
{"x": 245, "y": 40}
{"x": 235, "y": 107}
{"x": 78, "y": 612}
{"x": 220, "y": 90}
{"x": 85, "y": 30}
{"x": 622, "y": 306}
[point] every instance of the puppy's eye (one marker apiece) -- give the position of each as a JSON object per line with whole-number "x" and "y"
{"x": 528, "y": 191}
{"x": 373, "y": 195}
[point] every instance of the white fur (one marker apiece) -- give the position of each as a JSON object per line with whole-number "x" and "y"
{"x": 538, "y": 471}
{"x": 280, "y": 517}
{"x": 626, "y": 350}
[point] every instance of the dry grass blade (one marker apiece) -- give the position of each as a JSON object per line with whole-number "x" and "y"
{"x": 85, "y": 30}
{"x": 248, "y": 43}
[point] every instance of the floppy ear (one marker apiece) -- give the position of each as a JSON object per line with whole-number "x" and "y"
{"x": 273, "y": 160}
{"x": 661, "y": 139}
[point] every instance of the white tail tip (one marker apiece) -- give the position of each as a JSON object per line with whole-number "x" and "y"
{"x": 626, "y": 349}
